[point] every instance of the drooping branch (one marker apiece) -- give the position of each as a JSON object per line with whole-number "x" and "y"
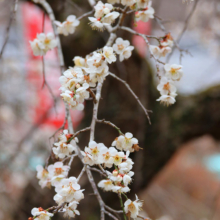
{"x": 133, "y": 94}
{"x": 12, "y": 17}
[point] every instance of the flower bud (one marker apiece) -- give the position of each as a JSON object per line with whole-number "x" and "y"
{"x": 40, "y": 209}
{"x": 78, "y": 85}
{"x": 136, "y": 147}
{"x": 115, "y": 172}
{"x": 106, "y": 11}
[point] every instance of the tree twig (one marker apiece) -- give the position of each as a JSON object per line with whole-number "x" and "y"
{"x": 133, "y": 94}
{"x": 12, "y": 17}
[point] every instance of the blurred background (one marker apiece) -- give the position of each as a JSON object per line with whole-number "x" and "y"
{"x": 177, "y": 173}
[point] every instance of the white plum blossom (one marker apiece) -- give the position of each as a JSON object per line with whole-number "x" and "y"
{"x": 68, "y": 191}
{"x": 108, "y": 53}
{"x": 96, "y": 23}
{"x": 38, "y": 47}
{"x": 122, "y": 48}
{"x": 173, "y": 71}
{"x": 110, "y": 17}
{"x": 43, "y": 43}
{"x": 41, "y": 214}
{"x": 167, "y": 99}
{"x": 167, "y": 40}
{"x": 160, "y": 51}
{"x": 68, "y": 26}
{"x": 167, "y": 91}
{"x": 48, "y": 40}
{"x": 104, "y": 16}
{"x": 94, "y": 150}
{"x": 125, "y": 142}
{"x": 145, "y": 14}
{"x": 57, "y": 172}
{"x": 102, "y": 9}
{"x": 62, "y": 149}
{"x": 79, "y": 61}
{"x": 105, "y": 156}
{"x": 106, "y": 185}
{"x": 166, "y": 87}
{"x": 70, "y": 209}
{"x": 132, "y": 208}
{"x": 43, "y": 176}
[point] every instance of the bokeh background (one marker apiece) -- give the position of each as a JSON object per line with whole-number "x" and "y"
{"x": 177, "y": 173}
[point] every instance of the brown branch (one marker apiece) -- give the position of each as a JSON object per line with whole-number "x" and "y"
{"x": 183, "y": 31}
{"x": 77, "y": 133}
{"x": 98, "y": 171}
{"x": 93, "y": 95}
{"x": 12, "y": 17}
{"x": 85, "y": 15}
{"x": 110, "y": 124}
{"x": 133, "y": 94}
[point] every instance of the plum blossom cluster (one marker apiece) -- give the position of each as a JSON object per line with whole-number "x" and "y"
{"x": 166, "y": 86}
{"x": 145, "y": 11}
{"x": 52, "y": 175}
{"x": 164, "y": 47}
{"x": 68, "y": 192}
{"x": 88, "y": 71}
{"x": 40, "y": 214}
{"x": 43, "y": 43}
{"x": 104, "y": 16}
{"x": 98, "y": 154}
{"x": 67, "y": 27}
{"x": 65, "y": 146}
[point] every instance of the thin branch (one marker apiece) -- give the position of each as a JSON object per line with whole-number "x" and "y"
{"x": 95, "y": 111}
{"x": 110, "y": 124}
{"x": 50, "y": 13}
{"x": 98, "y": 171}
{"x": 122, "y": 206}
{"x": 71, "y": 159}
{"x": 81, "y": 173}
{"x": 96, "y": 192}
{"x": 110, "y": 215}
{"x": 139, "y": 34}
{"x": 113, "y": 210}
{"x": 133, "y": 94}
{"x": 45, "y": 83}
{"x": 93, "y": 95}
{"x": 145, "y": 39}
{"x": 85, "y": 15}
{"x": 77, "y": 133}
{"x": 186, "y": 23}
{"x": 12, "y": 17}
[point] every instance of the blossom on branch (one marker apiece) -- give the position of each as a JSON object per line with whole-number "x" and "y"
{"x": 173, "y": 71}
{"x": 122, "y": 48}
{"x": 68, "y": 26}
{"x": 146, "y": 13}
{"x": 132, "y": 208}
{"x": 41, "y": 214}
{"x": 43, "y": 43}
